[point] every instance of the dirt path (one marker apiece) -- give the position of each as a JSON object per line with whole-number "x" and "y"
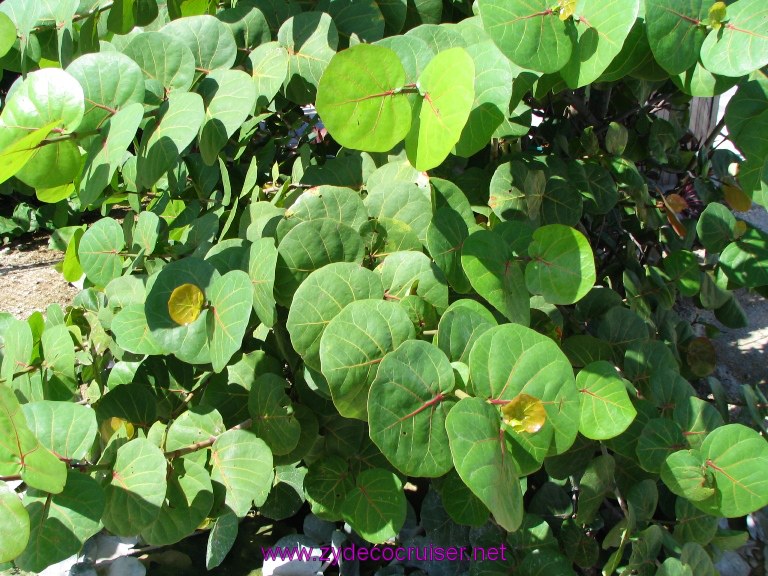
{"x": 28, "y": 281}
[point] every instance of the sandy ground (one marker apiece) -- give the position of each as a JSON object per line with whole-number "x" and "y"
{"x": 28, "y": 281}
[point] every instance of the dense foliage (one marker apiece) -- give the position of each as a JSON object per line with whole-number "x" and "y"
{"x": 406, "y": 265}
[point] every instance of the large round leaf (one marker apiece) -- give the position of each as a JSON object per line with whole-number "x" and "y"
{"x": 674, "y": 32}
{"x": 334, "y": 202}
{"x": 737, "y": 457}
{"x": 605, "y": 408}
{"x": 99, "y": 251}
{"x": 362, "y": 18}
{"x": 684, "y": 474}
{"x": 242, "y": 468}
{"x": 603, "y": 26}
{"x": 746, "y": 260}
{"x": 311, "y": 39}
{"x": 740, "y": 46}
{"x": 166, "y": 62}
{"x": 320, "y": 298}
{"x": 209, "y": 39}
{"x": 460, "y": 326}
{"x": 14, "y": 524}
{"x": 482, "y": 461}
{"x": 136, "y": 488}
{"x": 229, "y": 97}
{"x": 174, "y": 338}
{"x": 132, "y": 332}
{"x": 407, "y": 407}
{"x": 269, "y": 66}
{"x": 272, "y": 414}
{"x": 326, "y": 485}
{"x": 60, "y": 527}
{"x": 231, "y": 299}
{"x": 403, "y": 201}
{"x": 528, "y": 33}
{"x": 187, "y": 503}
{"x": 562, "y": 266}
{"x": 43, "y": 97}
{"x": 179, "y": 121}
{"x": 352, "y": 346}
{"x": 414, "y": 54}
{"x": 496, "y": 274}
{"x": 310, "y": 246}
{"x": 510, "y": 360}
{"x": 448, "y": 89}
{"x": 493, "y": 91}
{"x": 107, "y": 152}
{"x": 110, "y": 81}
{"x": 362, "y": 110}
{"x": 376, "y": 507}
{"x": 67, "y": 429}
{"x": 406, "y": 273}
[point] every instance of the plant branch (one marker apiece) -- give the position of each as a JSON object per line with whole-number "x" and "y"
{"x": 205, "y": 443}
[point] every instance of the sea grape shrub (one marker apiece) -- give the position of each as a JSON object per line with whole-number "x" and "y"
{"x": 408, "y": 266}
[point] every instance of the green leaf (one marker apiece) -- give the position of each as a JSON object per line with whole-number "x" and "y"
{"x": 187, "y": 503}
{"x": 481, "y": 459}
{"x": 674, "y": 32}
{"x": 209, "y": 39}
{"x": 606, "y": 410}
{"x": 447, "y": 87}
{"x": 376, "y": 507}
{"x": 685, "y": 475}
{"x": 8, "y": 35}
{"x": 262, "y": 260}
{"x": 179, "y": 120}
{"x": 446, "y": 234}
{"x": 341, "y": 204}
{"x": 107, "y": 152}
{"x": 746, "y": 260}
{"x": 510, "y": 360}
{"x": 197, "y": 424}
{"x": 229, "y": 97}
{"x": 167, "y": 64}
{"x": 598, "y": 479}
{"x": 242, "y": 466}
{"x": 132, "y": 332}
{"x": 528, "y": 33}
{"x": 14, "y": 524}
{"x": 269, "y": 67}
{"x": 16, "y": 155}
{"x": 374, "y": 327}
{"x": 496, "y": 274}
{"x": 311, "y": 39}
{"x": 221, "y": 539}
{"x": 66, "y": 429}
{"x": 44, "y": 96}
{"x": 740, "y": 46}
{"x": 673, "y": 567}
{"x": 326, "y": 486}
{"x": 111, "y": 81}
{"x": 363, "y": 111}
{"x": 363, "y": 18}
{"x": 407, "y": 407}
{"x": 320, "y": 298}
{"x": 737, "y": 457}
{"x": 135, "y": 490}
{"x": 660, "y": 437}
{"x": 493, "y": 91}
{"x": 308, "y": 247}
{"x": 231, "y": 300}
{"x": 60, "y": 526}
{"x": 562, "y": 266}
{"x": 460, "y": 326}
{"x": 602, "y": 29}
{"x": 461, "y": 504}
{"x": 407, "y": 273}
{"x": 716, "y": 227}
{"x": 403, "y": 201}
{"x": 272, "y": 414}
{"x": 414, "y": 54}
{"x": 99, "y": 251}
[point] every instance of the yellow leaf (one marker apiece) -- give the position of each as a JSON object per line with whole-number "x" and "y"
{"x": 717, "y": 15}
{"x": 737, "y": 198}
{"x": 567, "y": 8}
{"x": 524, "y": 414}
{"x": 111, "y": 425}
{"x": 185, "y": 304}
{"x": 739, "y": 229}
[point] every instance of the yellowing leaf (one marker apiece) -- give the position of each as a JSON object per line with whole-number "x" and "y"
{"x": 737, "y": 198}
{"x": 185, "y": 304}
{"x": 14, "y": 157}
{"x": 567, "y": 8}
{"x": 524, "y": 414}
{"x": 676, "y": 202}
{"x": 111, "y": 425}
{"x": 717, "y": 15}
